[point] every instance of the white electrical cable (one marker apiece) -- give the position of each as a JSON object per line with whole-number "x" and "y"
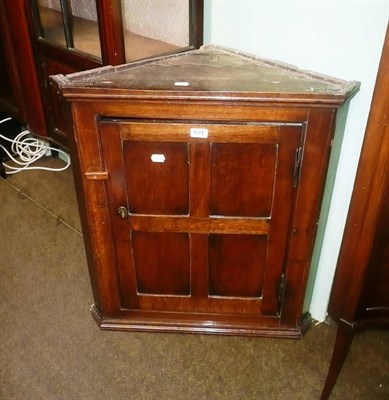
{"x": 29, "y": 149}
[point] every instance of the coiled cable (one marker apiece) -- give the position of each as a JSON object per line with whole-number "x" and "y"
{"x": 26, "y": 149}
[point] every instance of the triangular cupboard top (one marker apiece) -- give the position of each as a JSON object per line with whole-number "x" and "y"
{"x": 210, "y": 72}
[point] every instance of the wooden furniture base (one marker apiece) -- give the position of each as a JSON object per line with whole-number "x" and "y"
{"x": 198, "y": 326}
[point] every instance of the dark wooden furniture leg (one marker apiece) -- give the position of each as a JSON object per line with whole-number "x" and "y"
{"x": 361, "y": 283}
{"x": 344, "y": 338}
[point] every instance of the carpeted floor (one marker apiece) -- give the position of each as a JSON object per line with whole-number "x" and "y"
{"x": 51, "y": 349}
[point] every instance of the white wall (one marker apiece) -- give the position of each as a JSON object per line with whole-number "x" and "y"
{"x": 339, "y": 38}
{"x": 153, "y": 18}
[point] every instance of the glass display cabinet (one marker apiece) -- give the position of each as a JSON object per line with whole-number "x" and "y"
{"x": 75, "y": 35}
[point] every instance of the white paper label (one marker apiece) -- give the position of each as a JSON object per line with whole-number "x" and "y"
{"x": 181, "y": 83}
{"x": 201, "y": 133}
{"x": 160, "y": 158}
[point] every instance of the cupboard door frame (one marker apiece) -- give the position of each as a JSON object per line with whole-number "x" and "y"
{"x": 199, "y": 223}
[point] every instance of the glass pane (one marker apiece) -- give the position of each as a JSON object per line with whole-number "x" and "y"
{"x": 85, "y": 29}
{"x": 51, "y": 21}
{"x": 81, "y": 24}
{"x": 154, "y": 27}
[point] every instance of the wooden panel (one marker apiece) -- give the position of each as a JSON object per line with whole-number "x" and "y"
{"x": 291, "y": 137}
{"x": 378, "y": 292}
{"x": 200, "y": 176}
{"x": 236, "y": 265}
{"x": 319, "y": 129}
{"x": 111, "y": 32}
{"x": 365, "y": 239}
{"x": 199, "y": 266}
{"x": 211, "y": 308}
{"x": 196, "y": 15}
{"x": 60, "y": 115}
{"x": 217, "y": 132}
{"x": 162, "y": 263}
{"x": 218, "y": 73}
{"x": 375, "y": 297}
{"x": 56, "y": 60}
{"x": 242, "y": 179}
{"x": 94, "y": 210}
{"x": 157, "y": 187}
{"x": 215, "y": 112}
{"x": 117, "y": 196}
{"x": 19, "y": 51}
{"x": 228, "y": 257}
{"x": 9, "y": 85}
{"x": 199, "y": 225}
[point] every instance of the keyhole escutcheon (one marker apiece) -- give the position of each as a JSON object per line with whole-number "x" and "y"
{"x": 123, "y": 212}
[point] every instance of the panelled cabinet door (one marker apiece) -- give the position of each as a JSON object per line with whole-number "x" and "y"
{"x": 200, "y": 213}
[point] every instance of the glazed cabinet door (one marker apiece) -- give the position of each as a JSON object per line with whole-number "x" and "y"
{"x": 72, "y": 35}
{"x": 201, "y": 213}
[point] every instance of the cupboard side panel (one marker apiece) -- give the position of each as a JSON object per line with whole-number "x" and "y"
{"x": 94, "y": 208}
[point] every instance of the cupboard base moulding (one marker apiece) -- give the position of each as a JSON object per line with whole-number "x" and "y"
{"x": 200, "y": 326}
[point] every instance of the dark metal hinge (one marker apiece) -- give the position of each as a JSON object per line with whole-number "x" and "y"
{"x": 297, "y": 165}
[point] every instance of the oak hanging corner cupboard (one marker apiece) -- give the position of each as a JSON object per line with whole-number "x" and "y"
{"x": 199, "y": 179}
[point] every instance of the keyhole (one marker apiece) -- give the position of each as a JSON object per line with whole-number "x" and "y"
{"x": 122, "y": 211}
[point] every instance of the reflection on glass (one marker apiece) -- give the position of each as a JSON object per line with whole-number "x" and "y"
{"x": 85, "y": 29}
{"x": 80, "y": 30}
{"x": 51, "y": 22}
{"x": 154, "y": 27}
